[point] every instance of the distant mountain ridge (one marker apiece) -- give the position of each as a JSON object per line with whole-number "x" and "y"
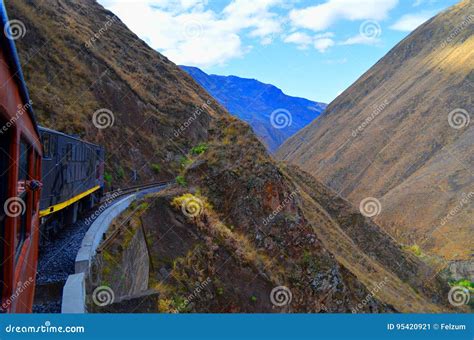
{"x": 273, "y": 115}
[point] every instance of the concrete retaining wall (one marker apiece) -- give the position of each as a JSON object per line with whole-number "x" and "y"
{"x": 74, "y": 296}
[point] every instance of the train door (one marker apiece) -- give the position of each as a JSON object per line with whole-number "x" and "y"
{"x": 5, "y": 147}
{"x": 19, "y": 165}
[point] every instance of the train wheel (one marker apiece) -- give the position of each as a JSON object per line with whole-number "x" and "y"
{"x": 71, "y": 214}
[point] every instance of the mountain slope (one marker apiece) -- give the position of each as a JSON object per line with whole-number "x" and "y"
{"x": 260, "y": 226}
{"x": 254, "y": 103}
{"x": 79, "y": 58}
{"x": 241, "y": 226}
{"x": 391, "y": 136}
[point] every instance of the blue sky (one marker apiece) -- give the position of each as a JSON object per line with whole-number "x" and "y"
{"x": 308, "y": 48}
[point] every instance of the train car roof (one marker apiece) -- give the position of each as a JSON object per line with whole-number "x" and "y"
{"x": 8, "y": 45}
{"x": 42, "y": 128}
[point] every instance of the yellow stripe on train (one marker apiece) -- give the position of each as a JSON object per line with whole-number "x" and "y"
{"x": 54, "y": 208}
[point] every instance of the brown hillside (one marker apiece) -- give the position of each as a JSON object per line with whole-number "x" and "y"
{"x": 320, "y": 247}
{"x": 388, "y": 136}
{"x": 70, "y": 77}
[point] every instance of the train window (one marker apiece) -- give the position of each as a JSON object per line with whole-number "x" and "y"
{"x": 23, "y": 169}
{"x": 47, "y": 151}
{"x": 34, "y": 175}
{"x": 69, "y": 152}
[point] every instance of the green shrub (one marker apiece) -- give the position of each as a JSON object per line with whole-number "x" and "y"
{"x": 463, "y": 283}
{"x": 414, "y": 249}
{"x": 184, "y": 161}
{"x": 181, "y": 181}
{"x": 120, "y": 173}
{"x": 108, "y": 178}
{"x": 156, "y": 168}
{"x": 199, "y": 149}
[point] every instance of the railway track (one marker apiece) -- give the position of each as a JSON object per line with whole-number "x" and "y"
{"x": 130, "y": 190}
{"x": 57, "y": 257}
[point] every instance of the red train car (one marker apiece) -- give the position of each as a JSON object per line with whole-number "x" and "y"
{"x": 20, "y": 169}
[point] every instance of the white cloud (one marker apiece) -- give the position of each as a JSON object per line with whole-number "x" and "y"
{"x": 409, "y": 22}
{"x": 336, "y": 61}
{"x": 421, "y": 2}
{"x": 303, "y": 40}
{"x": 360, "y": 40}
{"x": 189, "y": 33}
{"x": 321, "y": 42}
{"x": 323, "y": 16}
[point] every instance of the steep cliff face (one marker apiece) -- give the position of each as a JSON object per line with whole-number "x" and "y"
{"x": 240, "y": 227}
{"x": 403, "y": 134}
{"x": 91, "y": 76}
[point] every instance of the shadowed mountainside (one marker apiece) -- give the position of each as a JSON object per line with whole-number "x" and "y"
{"x": 240, "y": 225}
{"x": 401, "y": 134}
{"x": 255, "y": 102}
